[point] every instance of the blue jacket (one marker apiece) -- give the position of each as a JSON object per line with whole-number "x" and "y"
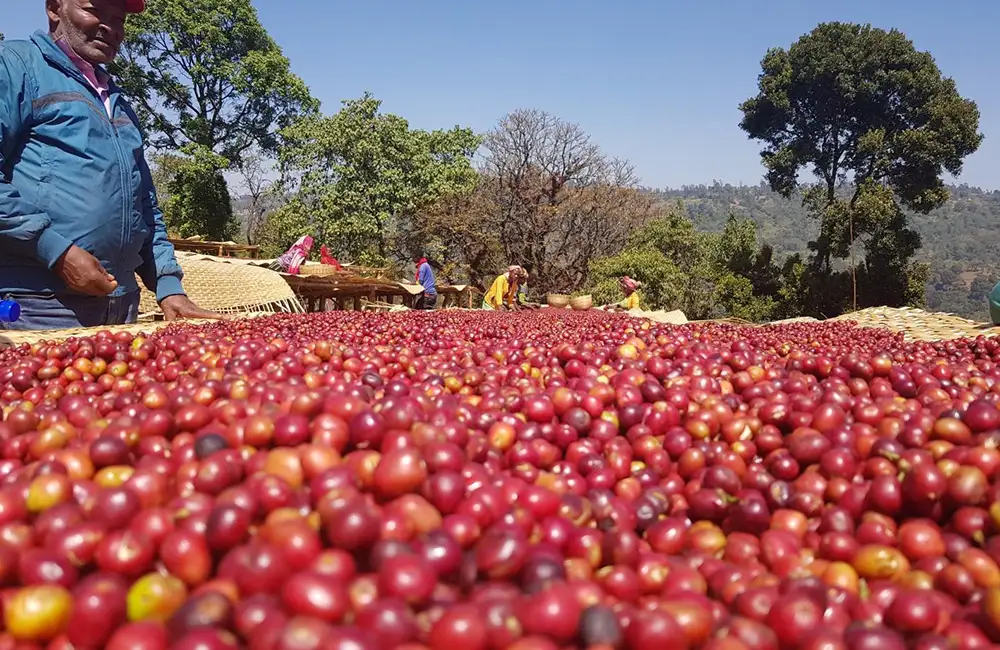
{"x": 69, "y": 174}
{"x": 426, "y": 275}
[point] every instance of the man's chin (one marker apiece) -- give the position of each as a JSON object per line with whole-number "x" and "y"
{"x": 99, "y": 53}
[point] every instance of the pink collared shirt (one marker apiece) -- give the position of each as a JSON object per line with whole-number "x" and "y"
{"x": 98, "y": 80}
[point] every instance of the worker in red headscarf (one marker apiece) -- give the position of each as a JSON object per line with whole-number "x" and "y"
{"x": 632, "y": 299}
{"x": 291, "y": 261}
{"x": 425, "y": 278}
{"x": 329, "y": 260}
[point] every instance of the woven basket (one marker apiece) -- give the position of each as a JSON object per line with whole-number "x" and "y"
{"x": 229, "y": 288}
{"x": 314, "y": 269}
{"x": 557, "y": 300}
{"x": 582, "y": 303}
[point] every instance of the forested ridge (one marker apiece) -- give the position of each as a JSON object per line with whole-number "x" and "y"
{"x": 961, "y": 239}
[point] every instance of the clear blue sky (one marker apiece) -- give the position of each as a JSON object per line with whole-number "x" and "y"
{"x": 657, "y": 82}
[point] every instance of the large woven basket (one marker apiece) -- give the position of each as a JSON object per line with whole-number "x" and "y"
{"x": 313, "y": 269}
{"x": 582, "y": 303}
{"x": 557, "y": 300}
{"x": 229, "y": 288}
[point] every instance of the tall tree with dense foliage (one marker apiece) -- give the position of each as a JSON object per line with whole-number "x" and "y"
{"x": 207, "y": 72}
{"x": 878, "y": 125}
{"x": 357, "y": 178}
{"x": 195, "y": 197}
{"x": 206, "y": 78}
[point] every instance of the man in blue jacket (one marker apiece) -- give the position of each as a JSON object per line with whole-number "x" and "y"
{"x": 78, "y": 211}
{"x": 425, "y": 278}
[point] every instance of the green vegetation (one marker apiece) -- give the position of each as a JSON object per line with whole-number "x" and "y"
{"x": 209, "y": 85}
{"x": 958, "y": 238}
{"x": 856, "y": 103}
{"x": 707, "y": 275}
{"x": 355, "y": 179}
{"x": 195, "y": 198}
{"x": 861, "y": 110}
{"x": 207, "y": 72}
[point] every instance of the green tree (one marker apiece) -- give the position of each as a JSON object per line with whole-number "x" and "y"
{"x": 705, "y": 275}
{"x": 739, "y": 252}
{"x": 735, "y": 295}
{"x": 675, "y": 236}
{"x": 196, "y": 200}
{"x": 956, "y": 239}
{"x": 663, "y": 283}
{"x": 207, "y": 72}
{"x": 693, "y": 253}
{"x": 853, "y": 103}
{"x": 980, "y": 289}
{"x": 283, "y": 227}
{"x": 357, "y": 178}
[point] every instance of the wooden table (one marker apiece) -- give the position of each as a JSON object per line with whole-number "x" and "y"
{"x": 219, "y": 249}
{"x": 321, "y": 293}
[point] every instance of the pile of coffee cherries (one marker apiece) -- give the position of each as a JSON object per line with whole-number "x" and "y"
{"x": 534, "y": 481}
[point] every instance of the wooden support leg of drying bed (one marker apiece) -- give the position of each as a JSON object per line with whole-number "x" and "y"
{"x": 357, "y": 303}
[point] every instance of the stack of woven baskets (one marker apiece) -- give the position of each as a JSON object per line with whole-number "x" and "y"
{"x": 562, "y": 301}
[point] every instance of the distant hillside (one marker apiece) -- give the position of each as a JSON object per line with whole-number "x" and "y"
{"x": 961, "y": 240}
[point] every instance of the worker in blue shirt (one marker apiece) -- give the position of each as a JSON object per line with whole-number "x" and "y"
{"x": 78, "y": 212}
{"x": 425, "y": 278}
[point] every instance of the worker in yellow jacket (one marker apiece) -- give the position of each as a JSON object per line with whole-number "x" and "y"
{"x": 631, "y": 301}
{"x": 502, "y": 294}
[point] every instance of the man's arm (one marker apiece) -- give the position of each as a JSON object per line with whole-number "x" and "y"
{"x": 160, "y": 271}
{"x": 25, "y": 229}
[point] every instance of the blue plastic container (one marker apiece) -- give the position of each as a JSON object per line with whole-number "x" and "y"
{"x": 10, "y": 311}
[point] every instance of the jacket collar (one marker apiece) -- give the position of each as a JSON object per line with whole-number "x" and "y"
{"x": 56, "y": 57}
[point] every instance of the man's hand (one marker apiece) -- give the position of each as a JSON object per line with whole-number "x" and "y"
{"x": 180, "y": 307}
{"x": 83, "y": 273}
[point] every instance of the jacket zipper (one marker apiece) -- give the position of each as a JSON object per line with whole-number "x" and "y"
{"x": 126, "y": 183}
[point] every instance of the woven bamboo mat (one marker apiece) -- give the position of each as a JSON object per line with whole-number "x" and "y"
{"x": 920, "y": 325}
{"x": 229, "y": 288}
{"x": 9, "y": 339}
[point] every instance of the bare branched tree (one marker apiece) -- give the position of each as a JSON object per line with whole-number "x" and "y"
{"x": 554, "y": 198}
{"x": 256, "y": 181}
